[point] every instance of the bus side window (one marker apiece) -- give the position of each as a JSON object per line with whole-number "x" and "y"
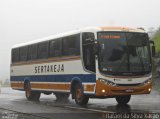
{"x": 23, "y": 53}
{"x": 32, "y": 52}
{"x": 55, "y": 48}
{"x": 88, "y": 51}
{"x": 43, "y": 50}
{"x": 71, "y": 45}
{"x": 15, "y": 55}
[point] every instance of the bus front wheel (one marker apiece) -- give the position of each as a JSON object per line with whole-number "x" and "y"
{"x": 31, "y": 95}
{"x": 80, "y": 98}
{"x": 123, "y": 100}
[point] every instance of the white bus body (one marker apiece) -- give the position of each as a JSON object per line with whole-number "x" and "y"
{"x": 67, "y": 64}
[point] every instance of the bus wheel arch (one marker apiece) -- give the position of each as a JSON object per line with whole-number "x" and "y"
{"x": 26, "y": 81}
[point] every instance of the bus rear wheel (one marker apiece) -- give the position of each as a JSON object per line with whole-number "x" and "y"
{"x": 80, "y": 98}
{"x": 123, "y": 100}
{"x": 31, "y": 95}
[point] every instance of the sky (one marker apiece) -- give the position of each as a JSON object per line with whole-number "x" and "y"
{"x": 26, "y": 20}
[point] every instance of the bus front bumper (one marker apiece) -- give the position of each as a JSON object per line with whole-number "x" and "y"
{"x": 107, "y": 90}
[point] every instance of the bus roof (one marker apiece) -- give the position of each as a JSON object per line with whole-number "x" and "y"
{"x": 87, "y": 29}
{"x": 123, "y": 29}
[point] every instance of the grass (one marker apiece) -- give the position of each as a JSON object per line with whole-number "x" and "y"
{"x": 157, "y": 42}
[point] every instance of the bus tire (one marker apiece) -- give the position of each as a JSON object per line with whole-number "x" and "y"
{"x": 80, "y": 98}
{"x": 61, "y": 96}
{"x": 123, "y": 100}
{"x": 31, "y": 95}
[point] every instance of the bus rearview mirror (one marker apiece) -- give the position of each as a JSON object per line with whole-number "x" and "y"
{"x": 153, "y": 51}
{"x": 153, "y": 48}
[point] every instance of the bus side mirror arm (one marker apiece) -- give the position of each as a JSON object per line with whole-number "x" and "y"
{"x": 153, "y": 48}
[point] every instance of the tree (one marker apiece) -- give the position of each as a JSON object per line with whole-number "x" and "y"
{"x": 156, "y": 39}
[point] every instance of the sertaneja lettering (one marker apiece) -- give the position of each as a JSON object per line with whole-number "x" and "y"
{"x": 49, "y": 68}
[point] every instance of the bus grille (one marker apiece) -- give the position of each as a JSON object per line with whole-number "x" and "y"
{"x": 137, "y": 84}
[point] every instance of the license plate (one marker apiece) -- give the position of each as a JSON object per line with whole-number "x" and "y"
{"x": 129, "y": 91}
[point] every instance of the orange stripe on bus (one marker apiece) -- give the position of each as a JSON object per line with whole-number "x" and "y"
{"x": 19, "y": 85}
{"x": 51, "y": 86}
{"x": 119, "y": 28}
{"x": 89, "y": 87}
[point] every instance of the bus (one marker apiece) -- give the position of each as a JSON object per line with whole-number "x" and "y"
{"x": 93, "y": 62}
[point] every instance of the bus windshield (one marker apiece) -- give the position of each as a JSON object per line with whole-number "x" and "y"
{"x": 124, "y": 53}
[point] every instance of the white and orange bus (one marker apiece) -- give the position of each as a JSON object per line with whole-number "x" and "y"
{"x": 96, "y": 62}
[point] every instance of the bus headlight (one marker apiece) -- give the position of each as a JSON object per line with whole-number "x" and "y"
{"x": 149, "y": 89}
{"x": 107, "y": 82}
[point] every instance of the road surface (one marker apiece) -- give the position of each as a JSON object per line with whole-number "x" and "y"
{"x": 14, "y": 105}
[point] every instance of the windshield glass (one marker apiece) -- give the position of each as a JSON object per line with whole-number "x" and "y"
{"x": 125, "y": 53}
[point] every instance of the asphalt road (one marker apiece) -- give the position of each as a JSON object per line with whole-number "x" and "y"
{"x": 14, "y": 105}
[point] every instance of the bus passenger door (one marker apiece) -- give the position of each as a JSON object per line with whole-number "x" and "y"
{"x": 89, "y": 79}
{"x": 88, "y": 51}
